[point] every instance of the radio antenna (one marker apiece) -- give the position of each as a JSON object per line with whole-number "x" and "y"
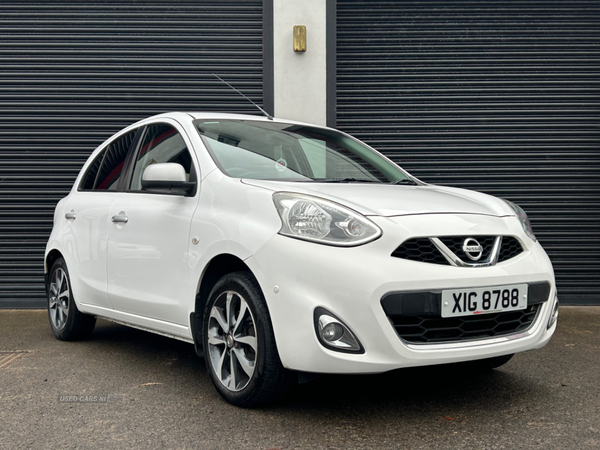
{"x": 262, "y": 110}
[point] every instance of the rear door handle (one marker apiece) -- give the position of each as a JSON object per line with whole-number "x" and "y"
{"x": 120, "y": 218}
{"x": 71, "y": 215}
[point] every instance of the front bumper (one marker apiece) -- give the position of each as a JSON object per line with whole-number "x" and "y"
{"x": 298, "y": 276}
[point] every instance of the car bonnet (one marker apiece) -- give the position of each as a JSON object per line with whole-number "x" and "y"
{"x": 395, "y": 200}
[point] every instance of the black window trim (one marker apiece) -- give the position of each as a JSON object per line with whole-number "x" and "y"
{"x": 104, "y": 152}
{"x": 129, "y": 164}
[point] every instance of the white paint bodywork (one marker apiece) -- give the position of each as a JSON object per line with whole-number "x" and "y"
{"x": 146, "y": 273}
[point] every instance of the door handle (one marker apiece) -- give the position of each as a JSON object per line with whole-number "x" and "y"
{"x": 71, "y": 215}
{"x": 120, "y": 218}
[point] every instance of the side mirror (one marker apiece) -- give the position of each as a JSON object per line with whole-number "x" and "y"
{"x": 167, "y": 178}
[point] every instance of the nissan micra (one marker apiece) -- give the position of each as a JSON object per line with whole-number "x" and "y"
{"x": 279, "y": 248}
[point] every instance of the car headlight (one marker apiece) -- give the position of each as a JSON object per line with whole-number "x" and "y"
{"x": 522, "y": 216}
{"x": 319, "y": 220}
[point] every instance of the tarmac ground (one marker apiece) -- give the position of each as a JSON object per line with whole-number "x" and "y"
{"x": 127, "y": 388}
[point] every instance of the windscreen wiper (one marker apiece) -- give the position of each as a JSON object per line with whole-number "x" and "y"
{"x": 405, "y": 181}
{"x": 346, "y": 180}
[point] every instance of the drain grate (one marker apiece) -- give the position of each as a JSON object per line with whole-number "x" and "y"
{"x": 7, "y": 358}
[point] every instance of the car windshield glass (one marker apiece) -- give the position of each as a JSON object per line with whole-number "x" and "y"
{"x": 278, "y": 151}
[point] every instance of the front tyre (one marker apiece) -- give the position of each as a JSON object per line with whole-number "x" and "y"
{"x": 66, "y": 322}
{"x": 239, "y": 344}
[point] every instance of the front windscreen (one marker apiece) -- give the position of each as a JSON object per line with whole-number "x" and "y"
{"x": 278, "y": 151}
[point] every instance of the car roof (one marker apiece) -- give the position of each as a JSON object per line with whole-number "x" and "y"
{"x": 227, "y": 116}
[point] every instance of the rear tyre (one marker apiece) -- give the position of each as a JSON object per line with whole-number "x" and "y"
{"x": 66, "y": 322}
{"x": 239, "y": 345}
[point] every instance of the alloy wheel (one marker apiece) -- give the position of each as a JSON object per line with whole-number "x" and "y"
{"x": 232, "y": 340}
{"x": 59, "y": 299}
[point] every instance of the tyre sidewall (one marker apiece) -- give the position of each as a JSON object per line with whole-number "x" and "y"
{"x": 257, "y": 305}
{"x": 72, "y": 329}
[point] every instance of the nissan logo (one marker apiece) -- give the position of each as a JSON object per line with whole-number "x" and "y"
{"x": 472, "y": 249}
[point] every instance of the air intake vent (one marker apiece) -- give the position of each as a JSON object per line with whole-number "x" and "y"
{"x": 432, "y": 329}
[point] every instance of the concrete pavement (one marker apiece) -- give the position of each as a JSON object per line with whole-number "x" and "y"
{"x": 160, "y": 396}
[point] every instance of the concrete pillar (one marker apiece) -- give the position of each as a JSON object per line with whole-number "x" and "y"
{"x": 299, "y": 79}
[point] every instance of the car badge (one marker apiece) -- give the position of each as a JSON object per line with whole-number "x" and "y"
{"x": 472, "y": 249}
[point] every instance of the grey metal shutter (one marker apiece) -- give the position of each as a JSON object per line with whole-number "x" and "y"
{"x": 497, "y": 96}
{"x": 74, "y": 72}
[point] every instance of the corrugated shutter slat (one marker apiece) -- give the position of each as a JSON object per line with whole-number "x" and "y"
{"x": 72, "y": 73}
{"x": 501, "y": 97}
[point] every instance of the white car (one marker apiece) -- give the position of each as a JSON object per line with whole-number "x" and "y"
{"x": 279, "y": 248}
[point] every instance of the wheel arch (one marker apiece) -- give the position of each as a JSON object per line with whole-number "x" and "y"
{"x": 51, "y": 258}
{"x": 49, "y": 261}
{"x": 219, "y": 266}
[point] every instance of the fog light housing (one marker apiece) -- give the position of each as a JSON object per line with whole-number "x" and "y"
{"x": 334, "y": 334}
{"x": 554, "y": 314}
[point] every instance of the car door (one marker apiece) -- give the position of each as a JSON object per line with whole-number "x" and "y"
{"x": 149, "y": 237}
{"x": 87, "y": 219}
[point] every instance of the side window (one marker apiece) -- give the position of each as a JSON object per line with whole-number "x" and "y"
{"x": 105, "y": 171}
{"x": 87, "y": 184}
{"x": 112, "y": 165}
{"x": 161, "y": 143}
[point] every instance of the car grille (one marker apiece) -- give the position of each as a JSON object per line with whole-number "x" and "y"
{"x": 416, "y": 317}
{"x": 424, "y": 250}
{"x": 509, "y": 249}
{"x": 430, "y": 329}
{"x": 420, "y": 249}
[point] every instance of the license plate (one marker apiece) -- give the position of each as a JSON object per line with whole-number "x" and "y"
{"x": 486, "y": 300}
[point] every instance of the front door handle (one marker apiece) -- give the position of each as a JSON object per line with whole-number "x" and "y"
{"x": 120, "y": 218}
{"x": 71, "y": 215}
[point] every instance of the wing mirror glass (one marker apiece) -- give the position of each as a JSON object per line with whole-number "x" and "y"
{"x": 167, "y": 178}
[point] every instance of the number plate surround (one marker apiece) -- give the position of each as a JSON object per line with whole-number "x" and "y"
{"x": 471, "y": 301}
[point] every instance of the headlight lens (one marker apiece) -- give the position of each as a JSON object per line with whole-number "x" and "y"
{"x": 319, "y": 220}
{"x": 522, "y": 216}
